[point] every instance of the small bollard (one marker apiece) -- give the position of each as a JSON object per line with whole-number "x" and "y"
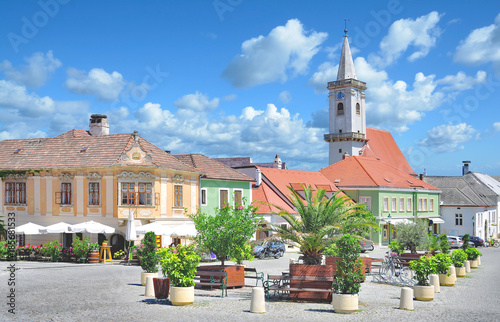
{"x": 478, "y": 260}
{"x": 434, "y": 281}
{"x": 453, "y": 272}
{"x": 467, "y": 266}
{"x": 258, "y": 304}
{"x": 150, "y": 288}
{"x": 406, "y": 300}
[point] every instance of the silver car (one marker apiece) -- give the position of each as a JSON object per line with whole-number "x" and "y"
{"x": 366, "y": 245}
{"x": 455, "y": 241}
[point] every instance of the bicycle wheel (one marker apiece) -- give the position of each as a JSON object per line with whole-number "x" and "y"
{"x": 386, "y": 271}
{"x": 496, "y": 244}
{"x": 406, "y": 275}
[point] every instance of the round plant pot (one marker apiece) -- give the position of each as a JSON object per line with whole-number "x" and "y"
{"x": 161, "y": 286}
{"x": 104, "y": 244}
{"x": 423, "y": 293}
{"x": 345, "y": 303}
{"x": 145, "y": 275}
{"x": 94, "y": 257}
{"x": 473, "y": 264}
{"x": 182, "y": 295}
{"x": 446, "y": 280}
{"x": 460, "y": 271}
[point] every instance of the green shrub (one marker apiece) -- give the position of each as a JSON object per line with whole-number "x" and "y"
{"x": 458, "y": 256}
{"x": 81, "y": 247}
{"x": 331, "y": 250}
{"x": 465, "y": 240}
{"x": 147, "y": 253}
{"x": 422, "y": 268}
{"x": 443, "y": 263}
{"x": 179, "y": 264}
{"x": 52, "y": 249}
{"x": 349, "y": 268}
{"x": 397, "y": 247}
{"x": 472, "y": 253}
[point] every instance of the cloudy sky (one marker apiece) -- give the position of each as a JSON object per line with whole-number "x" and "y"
{"x": 248, "y": 78}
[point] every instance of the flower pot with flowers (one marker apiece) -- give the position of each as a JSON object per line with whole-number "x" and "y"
{"x": 53, "y": 250}
{"x": 443, "y": 263}
{"x": 422, "y": 268}
{"x": 179, "y": 264}
{"x": 347, "y": 275}
{"x": 472, "y": 255}
{"x": 81, "y": 248}
{"x": 148, "y": 256}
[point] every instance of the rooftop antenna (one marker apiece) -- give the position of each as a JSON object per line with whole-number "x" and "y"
{"x": 345, "y": 26}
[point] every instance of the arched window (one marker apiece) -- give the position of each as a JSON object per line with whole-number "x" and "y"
{"x": 340, "y": 131}
{"x": 340, "y": 109}
{"x": 358, "y": 109}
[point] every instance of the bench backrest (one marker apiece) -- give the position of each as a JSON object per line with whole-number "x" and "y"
{"x": 301, "y": 278}
{"x": 250, "y": 269}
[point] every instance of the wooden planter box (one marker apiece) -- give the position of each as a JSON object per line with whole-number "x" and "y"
{"x": 235, "y": 273}
{"x": 332, "y": 261}
{"x": 311, "y": 270}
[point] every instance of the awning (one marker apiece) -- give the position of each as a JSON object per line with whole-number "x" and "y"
{"x": 437, "y": 220}
{"x": 395, "y": 221}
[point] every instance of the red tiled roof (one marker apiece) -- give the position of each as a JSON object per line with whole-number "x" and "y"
{"x": 381, "y": 144}
{"x": 211, "y": 168}
{"x": 264, "y": 197}
{"x": 68, "y": 151}
{"x": 359, "y": 171}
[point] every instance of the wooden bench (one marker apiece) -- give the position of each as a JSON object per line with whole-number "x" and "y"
{"x": 258, "y": 276}
{"x": 404, "y": 259}
{"x": 280, "y": 284}
{"x": 211, "y": 279}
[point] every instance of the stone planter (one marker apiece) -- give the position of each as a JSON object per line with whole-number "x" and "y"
{"x": 235, "y": 273}
{"x": 311, "y": 270}
{"x": 460, "y": 271}
{"x": 145, "y": 275}
{"x": 161, "y": 286}
{"x": 473, "y": 264}
{"x": 423, "y": 293}
{"x": 446, "y": 280}
{"x": 182, "y": 295}
{"x": 345, "y": 303}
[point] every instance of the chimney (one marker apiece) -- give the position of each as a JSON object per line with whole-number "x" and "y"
{"x": 465, "y": 167}
{"x": 258, "y": 177}
{"x": 99, "y": 124}
{"x": 345, "y": 156}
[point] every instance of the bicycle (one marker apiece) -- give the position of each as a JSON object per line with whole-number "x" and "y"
{"x": 495, "y": 243}
{"x": 392, "y": 271}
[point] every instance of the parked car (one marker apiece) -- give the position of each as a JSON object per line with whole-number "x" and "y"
{"x": 477, "y": 241}
{"x": 270, "y": 249}
{"x": 366, "y": 245}
{"x": 455, "y": 241}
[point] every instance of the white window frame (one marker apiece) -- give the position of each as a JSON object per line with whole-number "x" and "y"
{"x": 409, "y": 204}
{"x": 402, "y": 204}
{"x": 228, "y": 197}
{"x": 203, "y": 191}
{"x": 431, "y": 204}
{"x": 420, "y": 204}
{"x": 366, "y": 200}
{"x": 460, "y": 219}
{"x": 425, "y": 204}
{"x": 394, "y": 204}
{"x": 386, "y": 204}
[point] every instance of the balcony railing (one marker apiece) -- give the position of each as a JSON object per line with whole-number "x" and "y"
{"x": 347, "y": 136}
{"x": 350, "y": 81}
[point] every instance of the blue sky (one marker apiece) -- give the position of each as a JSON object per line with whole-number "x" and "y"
{"x": 248, "y": 78}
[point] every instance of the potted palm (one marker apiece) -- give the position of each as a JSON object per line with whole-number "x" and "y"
{"x": 148, "y": 256}
{"x": 443, "y": 263}
{"x": 472, "y": 255}
{"x": 459, "y": 257}
{"x": 347, "y": 276}
{"x": 180, "y": 264}
{"x": 319, "y": 221}
{"x": 422, "y": 268}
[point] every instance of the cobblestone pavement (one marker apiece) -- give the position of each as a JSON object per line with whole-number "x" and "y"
{"x": 83, "y": 292}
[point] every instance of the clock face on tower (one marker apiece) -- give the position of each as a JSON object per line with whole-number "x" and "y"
{"x": 340, "y": 95}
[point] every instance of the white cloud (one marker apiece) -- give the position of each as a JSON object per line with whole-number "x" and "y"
{"x": 282, "y": 54}
{"x": 285, "y": 97}
{"x": 496, "y": 126}
{"x": 15, "y": 97}
{"x": 98, "y": 82}
{"x": 461, "y": 81}
{"x": 230, "y": 97}
{"x": 34, "y": 75}
{"x": 197, "y": 102}
{"x": 327, "y": 72}
{"x": 421, "y": 34}
{"x": 481, "y": 46}
{"x": 448, "y": 138}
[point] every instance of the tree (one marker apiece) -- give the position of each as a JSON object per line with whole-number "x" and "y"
{"x": 320, "y": 220}
{"x": 147, "y": 253}
{"x": 226, "y": 233}
{"x": 412, "y": 235}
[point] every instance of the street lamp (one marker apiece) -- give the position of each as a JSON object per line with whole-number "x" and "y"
{"x": 389, "y": 222}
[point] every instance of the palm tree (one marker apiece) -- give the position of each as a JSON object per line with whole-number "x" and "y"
{"x": 321, "y": 220}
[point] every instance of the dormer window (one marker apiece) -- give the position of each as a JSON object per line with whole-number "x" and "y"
{"x": 340, "y": 109}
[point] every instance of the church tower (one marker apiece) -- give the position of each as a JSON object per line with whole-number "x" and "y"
{"x": 347, "y": 110}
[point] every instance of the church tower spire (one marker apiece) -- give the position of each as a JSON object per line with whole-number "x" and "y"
{"x": 347, "y": 109}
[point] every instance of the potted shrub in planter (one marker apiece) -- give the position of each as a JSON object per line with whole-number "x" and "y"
{"x": 472, "y": 254}
{"x": 52, "y": 249}
{"x": 320, "y": 221}
{"x": 148, "y": 256}
{"x": 226, "y": 234}
{"x": 180, "y": 264}
{"x": 422, "y": 268}
{"x": 458, "y": 258}
{"x": 81, "y": 248}
{"x": 349, "y": 268}
{"x": 397, "y": 247}
{"x": 443, "y": 263}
